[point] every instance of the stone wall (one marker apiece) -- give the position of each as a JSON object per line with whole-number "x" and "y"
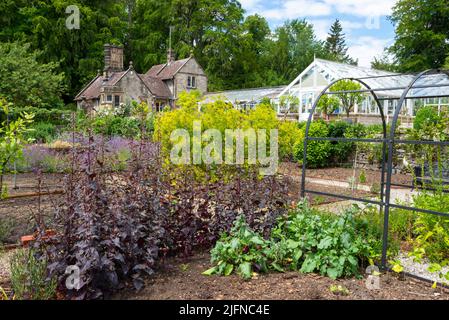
{"x": 191, "y": 68}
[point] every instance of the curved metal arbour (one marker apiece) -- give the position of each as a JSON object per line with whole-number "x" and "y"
{"x": 388, "y": 143}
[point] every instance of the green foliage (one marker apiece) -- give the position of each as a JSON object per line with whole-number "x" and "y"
{"x": 129, "y": 122}
{"x": 328, "y": 104}
{"x": 383, "y": 63}
{"x": 348, "y": 100}
{"x": 432, "y": 231}
{"x": 29, "y": 277}
{"x": 336, "y": 44}
{"x": 242, "y": 250}
{"x": 260, "y": 57}
{"x": 79, "y": 53}
{"x": 340, "y": 150}
{"x": 289, "y": 135}
{"x": 318, "y": 152}
{"x": 426, "y": 117}
{"x": 306, "y": 240}
{"x": 26, "y": 81}
{"x": 6, "y": 225}
{"x": 53, "y": 116}
{"x": 332, "y": 246}
{"x": 41, "y": 132}
{"x": 422, "y": 30}
{"x": 222, "y": 116}
{"x": 12, "y": 140}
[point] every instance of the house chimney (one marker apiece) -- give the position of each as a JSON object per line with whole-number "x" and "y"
{"x": 113, "y": 58}
{"x": 170, "y": 56}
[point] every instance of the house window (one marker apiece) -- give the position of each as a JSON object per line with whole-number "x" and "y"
{"x": 191, "y": 82}
{"x": 116, "y": 101}
{"x": 109, "y": 98}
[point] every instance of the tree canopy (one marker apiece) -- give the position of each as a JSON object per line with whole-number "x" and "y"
{"x": 422, "y": 34}
{"x": 26, "y": 82}
{"x": 336, "y": 44}
{"x": 236, "y": 51}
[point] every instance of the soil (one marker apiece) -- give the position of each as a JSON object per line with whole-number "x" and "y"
{"x": 182, "y": 279}
{"x": 19, "y": 213}
{"x": 341, "y": 174}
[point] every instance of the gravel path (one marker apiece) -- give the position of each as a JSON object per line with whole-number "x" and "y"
{"x": 419, "y": 269}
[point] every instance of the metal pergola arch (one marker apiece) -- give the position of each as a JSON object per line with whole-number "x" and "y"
{"x": 388, "y": 143}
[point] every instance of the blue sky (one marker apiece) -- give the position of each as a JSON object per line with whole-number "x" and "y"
{"x": 365, "y": 23}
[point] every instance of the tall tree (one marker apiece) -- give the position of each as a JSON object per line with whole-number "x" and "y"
{"x": 26, "y": 82}
{"x": 422, "y": 34}
{"x": 336, "y": 44}
{"x": 295, "y": 47}
{"x": 348, "y": 99}
{"x": 79, "y": 52}
{"x": 383, "y": 63}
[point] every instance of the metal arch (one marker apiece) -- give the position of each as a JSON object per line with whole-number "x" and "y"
{"x": 391, "y": 144}
{"x": 390, "y": 141}
{"x": 309, "y": 122}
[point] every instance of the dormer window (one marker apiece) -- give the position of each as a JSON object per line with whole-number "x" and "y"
{"x": 191, "y": 82}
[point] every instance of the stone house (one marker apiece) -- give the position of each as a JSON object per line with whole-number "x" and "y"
{"x": 159, "y": 87}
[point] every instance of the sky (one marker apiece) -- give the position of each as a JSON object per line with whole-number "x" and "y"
{"x": 365, "y": 23}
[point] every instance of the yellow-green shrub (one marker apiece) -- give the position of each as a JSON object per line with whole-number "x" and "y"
{"x": 221, "y": 115}
{"x": 289, "y": 135}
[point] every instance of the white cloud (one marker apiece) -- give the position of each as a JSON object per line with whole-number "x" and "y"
{"x": 366, "y": 48}
{"x": 290, "y": 9}
{"x": 250, "y": 5}
{"x": 364, "y": 8}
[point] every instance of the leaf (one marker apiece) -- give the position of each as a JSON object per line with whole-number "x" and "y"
{"x": 434, "y": 285}
{"x": 309, "y": 265}
{"x": 277, "y": 267}
{"x": 257, "y": 240}
{"x": 325, "y": 243}
{"x": 353, "y": 261}
{"x": 297, "y": 255}
{"x": 210, "y": 271}
{"x": 235, "y": 243}
{"x": 398, "y": 268}
{"x": 434, "y": 267}
{"x": 245, "y": 270}
{"x": 332, "y": 273}
{"x": 292, "y": 244}
{"x": 228, "y": 270}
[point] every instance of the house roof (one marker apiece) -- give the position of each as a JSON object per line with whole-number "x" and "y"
{"x": 168, "y": 70}
{"x": 153, "y": 80}
{"x": 245, "y": 95}
{"x": 333, "y": 71}
{"x": 92, "y": 91}
{"x": 157, "y": 87}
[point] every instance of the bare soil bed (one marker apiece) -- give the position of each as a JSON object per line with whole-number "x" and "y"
{"x": 182, "y": 279}
{"x": 18, "y": 212}
{"x": 341, "y": 174}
